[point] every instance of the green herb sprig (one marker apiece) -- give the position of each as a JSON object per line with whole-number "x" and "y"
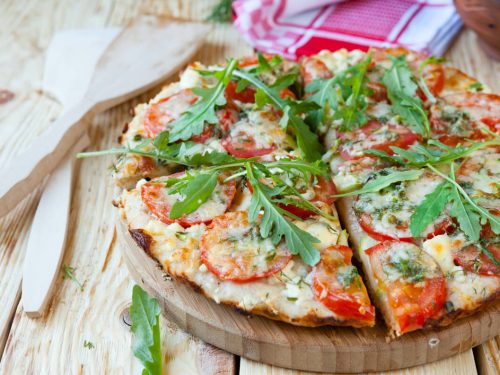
{"x": 274, "y": 224}
{"x": 193, "y": 120}
{"x": 145, "y": 316}
{"x": 401, "y": 90}
{"x": 384, "y": 179}
{"x": 434, "y": 153}
{"x": 69, "y": 273}
{"x": 307, "y": 141}
{"x": 342, "y": 97}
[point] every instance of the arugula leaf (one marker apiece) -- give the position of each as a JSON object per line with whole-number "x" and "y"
{"x": 468, "y": 213}
{"x": 401, "y": 90}
{"x": 435, "y": 153}
{"x": 145, "y": 313}
{"x": 345, "y": 94}
{"x": 273, "y": 223}
{"x": 196, "y": 191}
{"x": 421, "y": 80}
{"x": 465, "y": 214}
{"x": 193, "y": 120}
{"x": 430, "y": 208}
{"x": 307, "y": 141}
{"x": 353, "y": 106}
{"x": 383, "y": 179}
{"x": 324, "y": 95}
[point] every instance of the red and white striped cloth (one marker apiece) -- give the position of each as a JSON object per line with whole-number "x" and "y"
{"x": 303, "y": 27}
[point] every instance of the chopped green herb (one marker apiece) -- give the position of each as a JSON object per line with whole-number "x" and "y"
{"x": 88, "y": 345}
{"x": 69, "y": 273}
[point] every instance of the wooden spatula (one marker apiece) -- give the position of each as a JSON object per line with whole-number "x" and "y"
{"x": 141, "y": 56}
{"x": 70, "y": 61}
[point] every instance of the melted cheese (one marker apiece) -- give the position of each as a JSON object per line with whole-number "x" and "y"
{"x": 466, "y": 290}
{"x": 287, "y": 293}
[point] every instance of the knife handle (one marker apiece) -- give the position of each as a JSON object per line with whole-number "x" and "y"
{"x": 27, "y": 170}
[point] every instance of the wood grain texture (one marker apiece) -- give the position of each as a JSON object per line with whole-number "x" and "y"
{"x": 26, "y": 30}
{"x": 329, "y": 349}
{"x": 118, "y": 76}
{"x": 461, "y": 364}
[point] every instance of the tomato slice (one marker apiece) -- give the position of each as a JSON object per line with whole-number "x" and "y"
{"x": 324, "y": 190}
{"x": 379, "y": 92}
{"x": 233, "y": 250}
{"x": 243, "y": 145}
{"x": 312, "y": 68}
{"x": 338, "y": 286}
{"x": 385, "y": 215}
{"x": 375, "y": 136}
{"x": 254, "y": 136}
{"x": 472, "y": 259}
{"x": 433, "y": 74}
{"x": 168, "y": 109}
{"x": 414, "y": 283}
{"x": 155, "y": 196}
{"x": 463, "y": 115}
{"x": 245, "y": 96}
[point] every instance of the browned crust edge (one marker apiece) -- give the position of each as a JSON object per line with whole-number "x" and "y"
{"x": 144, "y": 241}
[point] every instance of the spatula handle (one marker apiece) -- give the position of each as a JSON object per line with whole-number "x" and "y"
{"x": 26, "y": 171}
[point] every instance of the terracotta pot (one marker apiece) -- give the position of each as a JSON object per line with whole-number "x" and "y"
{"x": 483, "y": 16}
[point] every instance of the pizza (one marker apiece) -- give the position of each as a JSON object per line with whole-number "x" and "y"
{"x": 324, "y": 191}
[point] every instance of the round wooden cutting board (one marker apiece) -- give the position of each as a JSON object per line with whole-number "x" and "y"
{"x": 328, "y": 349}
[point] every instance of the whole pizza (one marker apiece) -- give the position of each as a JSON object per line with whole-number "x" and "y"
{"x": 323, "y": 192}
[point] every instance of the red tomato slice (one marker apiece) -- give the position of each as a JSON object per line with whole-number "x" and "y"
{"x": 312, "y": 68}
{"x": 472, "y": 112}
{"x": 233, "y": 250}
{"x": 389, "y": 218}
{"x": 416, "y": 287}
{"x": 207, "y": 133}
{"x": 243, "y": 145}
{"x": 155, "y": 196}
{"x": 472, "y": 259}
{"x": 159, "y": 114}
{"x": 375, "y": 136}
{"x": 245, "y": 96}
{"x": 366, "y": 222}
{"x": 379, "y": 92}
{"x": 338, "y": 286}
{"x": 324, "y": 191}
{"x": 253, "y": 60}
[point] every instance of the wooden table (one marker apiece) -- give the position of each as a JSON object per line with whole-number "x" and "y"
{"x": 59, "y": 343}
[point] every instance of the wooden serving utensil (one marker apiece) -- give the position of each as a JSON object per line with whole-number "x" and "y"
{"x": 140, "y": 57}
{"x": 70, "y": 61}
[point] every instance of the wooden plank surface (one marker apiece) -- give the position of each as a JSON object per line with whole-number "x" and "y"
{"x": 55, "y": 344}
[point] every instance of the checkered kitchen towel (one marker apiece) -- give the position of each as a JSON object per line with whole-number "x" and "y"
{"x": 303, "y": 27}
